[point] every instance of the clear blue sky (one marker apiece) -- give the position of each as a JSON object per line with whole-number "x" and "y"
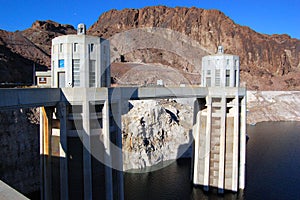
{"x": 264, "y": 16}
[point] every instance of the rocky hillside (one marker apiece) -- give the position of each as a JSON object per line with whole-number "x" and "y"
{"x": 171, "y": 37}
{"x": 21, "y": 49}
{"x": 268, "y": 62}
{"x": 273, "y": 106}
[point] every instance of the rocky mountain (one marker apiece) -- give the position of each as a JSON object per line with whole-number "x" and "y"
{"x": 268, "y": 62}
{"x": 171, "y": 37}
{"x": 20, "y": 50}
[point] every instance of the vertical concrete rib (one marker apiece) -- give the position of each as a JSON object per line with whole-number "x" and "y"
{"x": 119, "y": 156}
{"x": 107, "y": 156}
{"x": 62, "y": 110}
{"x": 196, "y": 131}
{"x": 207, "y": 142}
{"x": 42, "y": 152}
{"x": 45, "y": 151}
{"x": 221, "y": 175}
{"x": 86, "y": 138}
{"x": 242, "y": 145}
{"x": 235, "y": 152}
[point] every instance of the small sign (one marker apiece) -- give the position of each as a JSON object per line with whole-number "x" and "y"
{"x": 42, "y": 80}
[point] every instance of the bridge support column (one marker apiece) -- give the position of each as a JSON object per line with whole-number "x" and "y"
{"x": 242, "y": 168}
{"x": 86, "y": 139}
{"x": 62, "y": 116}
{"x": 116, "y": 150}
{"x": 207, "y": 143}
{"x": 45, "y": 151}
{"x": 113, "y": 150}
{"x": 107, "y": 155}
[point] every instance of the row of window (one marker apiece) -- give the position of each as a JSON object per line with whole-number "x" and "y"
{"x": 217, "y": 78}
{"x": 236, "y": 62}
{"x": 76, "y": 72}
{"x": 217, "y": 71}
{"x": 75, "y": 47}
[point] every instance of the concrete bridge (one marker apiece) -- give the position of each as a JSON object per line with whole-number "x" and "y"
{"x": 81, "y": 141}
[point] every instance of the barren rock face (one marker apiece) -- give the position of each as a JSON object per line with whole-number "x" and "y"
{"x": 154, "y": 132}
{"x": 268, "y": 62}
{"x": 21, "y": 49}
{"x": 273, "y": 106}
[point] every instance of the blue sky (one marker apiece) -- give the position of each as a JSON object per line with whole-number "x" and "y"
{"x": 264, "y": 16}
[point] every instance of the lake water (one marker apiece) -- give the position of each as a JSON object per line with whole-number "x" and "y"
{"x": 273, "y": 170}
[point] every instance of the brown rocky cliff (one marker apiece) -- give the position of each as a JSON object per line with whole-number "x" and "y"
{"x": 273, "y": 61}
{"x": 268, "y": 62}
{"x": 20, "y": 49}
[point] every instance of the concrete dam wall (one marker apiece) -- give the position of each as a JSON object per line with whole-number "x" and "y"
{"x": 19, "y": 144}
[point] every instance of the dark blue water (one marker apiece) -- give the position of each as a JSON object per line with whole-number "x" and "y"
{"x": 273, "y": 170}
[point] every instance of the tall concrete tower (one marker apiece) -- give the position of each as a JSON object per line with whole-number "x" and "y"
{"x": 80, "y": 61}
{"x": 77, "y": 134}
{"x": 220, "y": 125}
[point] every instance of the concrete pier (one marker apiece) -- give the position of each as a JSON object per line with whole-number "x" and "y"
{"x": 76, "y": 140}
{"x": 220, "y": 139}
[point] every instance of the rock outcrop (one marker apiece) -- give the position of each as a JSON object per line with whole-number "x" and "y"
{"x": 154, "y": 132}
{"x": 20, "y": 50}
{"x": 273, "y": 106}
{"x": 268, "y": 62}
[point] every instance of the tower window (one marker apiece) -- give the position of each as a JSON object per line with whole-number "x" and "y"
{"x": 60, "y": 47}
{"x": 217, "y": 77}
{"x": 92, "y": 73}
{"x": 76, "y": 72}
{"x": 227, "y": 77}
{"x": 91, "y": 47}
{"x": 75, "y": 47}
{"x": 208, "y": 81}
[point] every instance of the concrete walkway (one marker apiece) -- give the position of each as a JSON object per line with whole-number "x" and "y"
{"x": 8, "y": 193}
